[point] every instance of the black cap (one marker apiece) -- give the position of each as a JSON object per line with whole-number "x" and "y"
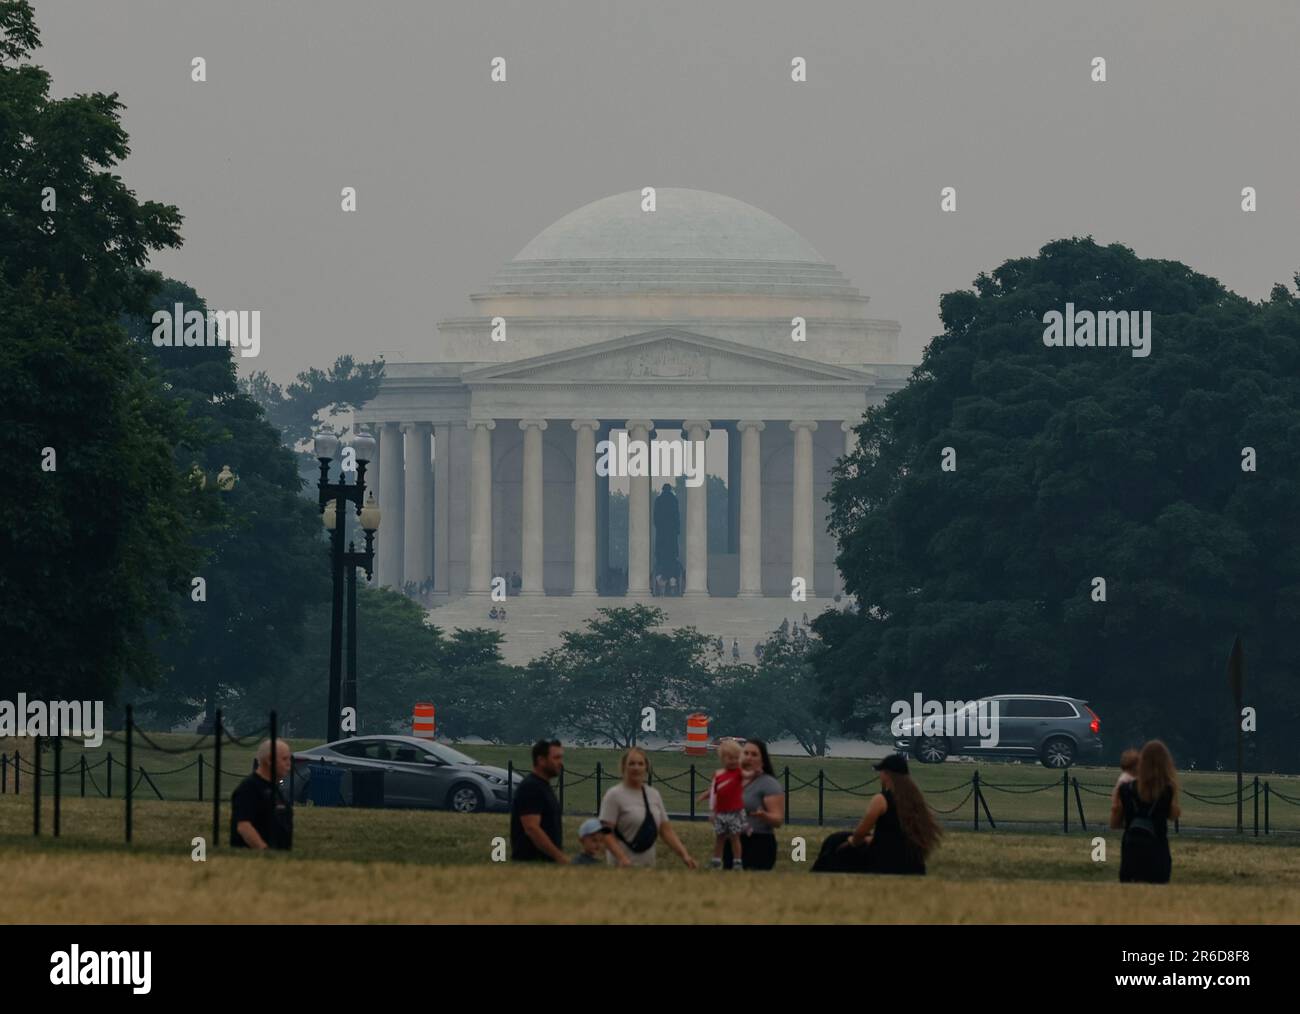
{"x": 895, "y": 762}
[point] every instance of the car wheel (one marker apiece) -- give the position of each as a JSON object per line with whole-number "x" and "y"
{"x": 932, "y": 750}
{"x": 1058, "y": 753}
{"x": 465, "y": 798}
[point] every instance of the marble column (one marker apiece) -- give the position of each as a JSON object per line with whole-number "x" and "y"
{"x": 418, "y": 528}
{"x": 392, "y": 481}
{"x": 480, "y": 507}
{"x": 442, "y": 508}
{"x": 733, "y": 488}
{"x": 584, "y": 506}
{"x": 638, "y": 519}
{"x": 850, "y": 436}
{"x": 532, "y": 555}
{"x": 801, "y": 515}
{"x": 602, "y": 520}
{"x": 751, "y": 509}
{"x": 850, "y": 448}
{"x": 697, "y": 516}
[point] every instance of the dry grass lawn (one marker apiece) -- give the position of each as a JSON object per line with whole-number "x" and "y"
{"x": 392, "y": 866}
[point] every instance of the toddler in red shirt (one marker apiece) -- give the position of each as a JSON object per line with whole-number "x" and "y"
{"x": 727, "y": 802}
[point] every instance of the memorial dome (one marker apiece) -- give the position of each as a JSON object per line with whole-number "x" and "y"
{"x": 694, "y": 241}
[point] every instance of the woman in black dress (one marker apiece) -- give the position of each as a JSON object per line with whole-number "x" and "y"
{"x": 1143, "y": 808}
{"x": 895, "y": 835}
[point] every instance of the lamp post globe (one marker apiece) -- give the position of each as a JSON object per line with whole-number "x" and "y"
{"x": 226, "y": 479}
{"x": 364, "y": 445}
{"x": 370, "y": 513}
{"x": 325, "y": 443}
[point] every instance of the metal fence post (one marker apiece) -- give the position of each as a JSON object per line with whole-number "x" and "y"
{"x": 130, "y": 727}
{"x": 4, "y": 773}
{"x": 109, "y": 765}
{"x": 1065, "y": 800}
{"x": 510, "y": 784}
{"x": 597, "y": 786}
{"x": 981, "y": 801}
{"x": 821, "y": 795}
{"x": 692, "y": 791}
{"x": 787, "y": 792}
{"x": 1257, "y": 806}
{"x": 216, "y": 783}
{"x": 36, "y": 785}
{"x": 59, "y": 780}
{"x": 83, "y": 776}
{"x": 18, "y": 770}
{"x": 1078, "y": 800}
{"x": 1266, "y": 792}
{"x": 975, "y": 793}
{"x": 561, "y": 788}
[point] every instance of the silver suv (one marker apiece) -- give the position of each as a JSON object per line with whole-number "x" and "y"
{"x": 1059, "y": 731}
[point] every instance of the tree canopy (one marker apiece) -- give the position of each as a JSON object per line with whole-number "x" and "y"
{"x": 1073, "y": 464}
{"x": 265, "y": 557}
{"x": 604, "y": 675}
{"x": 99, "y": 544}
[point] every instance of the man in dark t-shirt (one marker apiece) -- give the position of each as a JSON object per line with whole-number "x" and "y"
{"x": 260, "y": 817}
{"x": 536, "y": 832}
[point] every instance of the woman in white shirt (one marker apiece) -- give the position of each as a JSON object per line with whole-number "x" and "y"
{"x": 634, "y": 816}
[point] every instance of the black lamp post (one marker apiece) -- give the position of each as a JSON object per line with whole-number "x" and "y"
{"x": 333, "y": 497}
{"x": 352, "y": 560}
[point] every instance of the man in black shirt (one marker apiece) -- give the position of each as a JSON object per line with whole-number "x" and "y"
{"x": 260, "y": 818}
{"x": 536, "y": 833}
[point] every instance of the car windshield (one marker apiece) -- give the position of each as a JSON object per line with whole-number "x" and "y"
{"x": 447, "y": 755}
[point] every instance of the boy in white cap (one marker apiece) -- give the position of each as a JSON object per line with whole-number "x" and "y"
{"x": 591, "y": 835}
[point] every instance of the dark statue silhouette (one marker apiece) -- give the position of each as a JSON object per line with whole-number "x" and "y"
{"x": 667, "y": 528}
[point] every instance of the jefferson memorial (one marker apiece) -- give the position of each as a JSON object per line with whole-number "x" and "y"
{"x": 705, "y": 318}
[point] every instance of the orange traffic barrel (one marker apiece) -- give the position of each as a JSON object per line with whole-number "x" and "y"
{"x": 697, "y": 735}
{"x": 422, "y": 723}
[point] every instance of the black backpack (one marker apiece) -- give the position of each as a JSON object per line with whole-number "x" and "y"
{"x": 1142, "y": 822}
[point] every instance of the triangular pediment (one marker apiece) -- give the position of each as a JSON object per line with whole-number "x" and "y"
{"x": 667, "y": 355}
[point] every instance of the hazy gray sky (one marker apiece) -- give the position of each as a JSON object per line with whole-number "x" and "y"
{"x": 455, "y": 174}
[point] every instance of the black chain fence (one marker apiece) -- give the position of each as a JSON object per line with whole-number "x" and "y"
{"x": 1257, "y": 795}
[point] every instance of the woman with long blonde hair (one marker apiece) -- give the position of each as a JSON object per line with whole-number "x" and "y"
{"x": 635, "y": 818}
{"x": 1143, "y": 807}
{"x": 896, "y": 834}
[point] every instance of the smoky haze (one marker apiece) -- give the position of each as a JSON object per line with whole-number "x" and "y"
{"x": 454, "y": 174}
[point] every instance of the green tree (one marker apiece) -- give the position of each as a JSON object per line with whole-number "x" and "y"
{"x": 100, "y": 545}
{"x": 775, "y": 698}
{"x": 314, "y": 397}
{"x": 402, "y": 659}
{"x": 1074, "y": 464}
{"x": 266, "y": 557}
{"x": 397, "y": 663}
{"x": 603, "y": 676}
{"x": 500, "y": 703}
